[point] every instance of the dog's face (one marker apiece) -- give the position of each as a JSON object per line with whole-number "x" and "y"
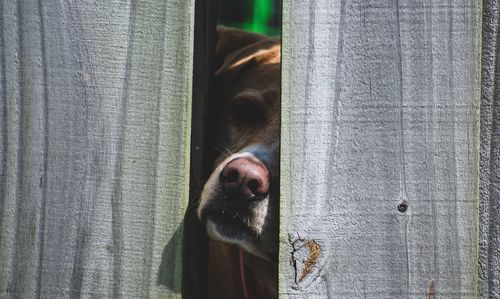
{"x": 239, "y": 202}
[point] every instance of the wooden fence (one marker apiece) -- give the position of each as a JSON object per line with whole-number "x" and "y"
{"x": 380, "y": 142}
{"x": 96, "y": 101}
{"x": 390, "y": 157}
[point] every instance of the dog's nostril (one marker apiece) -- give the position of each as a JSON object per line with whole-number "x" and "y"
{"x": 257, "y": 187}
{"x": 229, "y": 175}
{"x": 253, "y": 185}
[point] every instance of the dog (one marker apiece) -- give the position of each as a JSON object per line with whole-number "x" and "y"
{"x": 239, "y": 203}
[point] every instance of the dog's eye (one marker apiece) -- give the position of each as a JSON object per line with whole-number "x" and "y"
{"x": 247, "y": 113}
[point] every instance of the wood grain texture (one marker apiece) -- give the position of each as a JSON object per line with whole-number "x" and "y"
{"x": 380, "y": 109}
{"x": 95, "y": 101}
{"x": 489, "y": 231}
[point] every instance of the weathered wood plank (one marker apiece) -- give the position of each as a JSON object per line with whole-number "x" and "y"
{"x": 489, "y": 231}
{"x": 95, "y": 147}
{"x": 380, "y": 109}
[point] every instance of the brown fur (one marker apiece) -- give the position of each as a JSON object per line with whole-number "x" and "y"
{"x": 249, "y": 72}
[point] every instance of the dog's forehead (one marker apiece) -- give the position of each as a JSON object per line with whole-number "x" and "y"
{"x": 264, "y": 79}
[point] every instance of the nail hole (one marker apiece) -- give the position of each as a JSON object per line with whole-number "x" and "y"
{"x": 403, "y": 206}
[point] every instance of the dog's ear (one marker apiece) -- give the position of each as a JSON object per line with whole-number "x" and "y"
{"x": 230, "y": 40}
{"x": 237, "y": 49}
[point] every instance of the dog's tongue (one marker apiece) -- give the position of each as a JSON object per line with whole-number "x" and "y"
{"x": 252, "y": 286}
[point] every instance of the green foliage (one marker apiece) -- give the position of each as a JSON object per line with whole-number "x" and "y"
{"x": 259, "y": 17}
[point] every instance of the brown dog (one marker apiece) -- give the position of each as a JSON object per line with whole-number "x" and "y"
{"x": 239, "y": 203}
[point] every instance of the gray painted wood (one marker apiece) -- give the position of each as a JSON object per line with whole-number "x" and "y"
{"x": 489, "y": 231}
{"x": 380, "y": 106}
{"x": 95, "y": 101}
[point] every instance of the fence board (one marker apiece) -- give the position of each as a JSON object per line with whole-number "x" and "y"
{"x": 489, "y": 232}
{"x": 380, "y": 109}
{"x": 95, "y": 147}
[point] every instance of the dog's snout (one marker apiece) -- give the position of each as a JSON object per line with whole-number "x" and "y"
{"x": 245, "y": 179}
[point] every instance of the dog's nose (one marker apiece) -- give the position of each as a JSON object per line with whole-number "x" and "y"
{"x": 245, "y": 179}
